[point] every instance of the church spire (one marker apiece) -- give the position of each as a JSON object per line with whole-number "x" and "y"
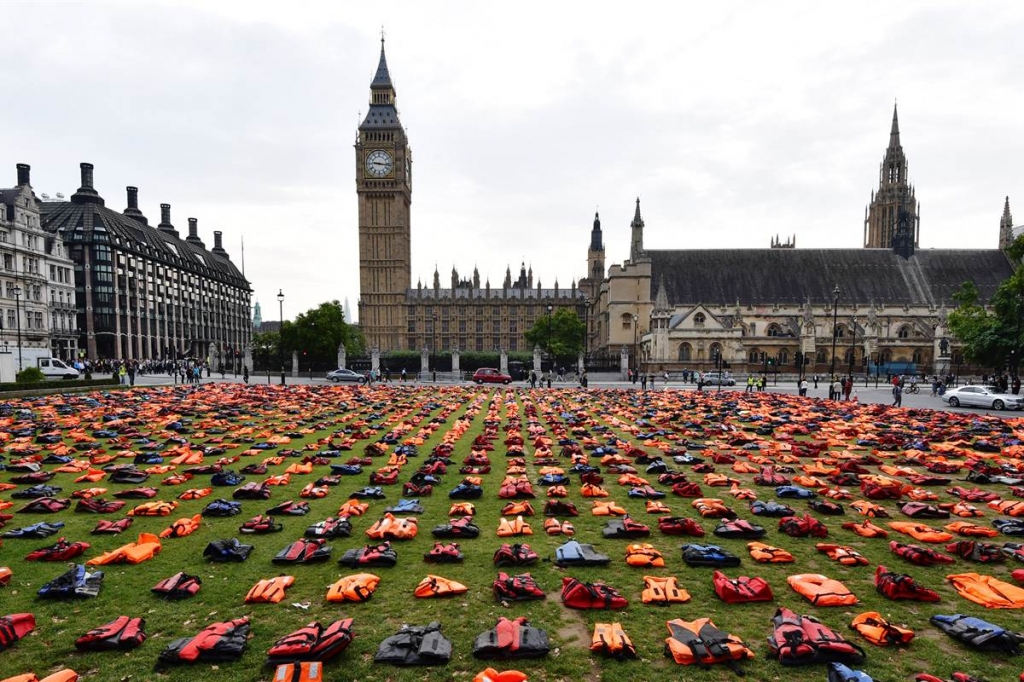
{"x": 636, "y": 246}
{"x": 1006, "y": 227}
{"x": 596, "y": 240}
{"x": 382, "y": 79}
{"x": 894, "y": 134}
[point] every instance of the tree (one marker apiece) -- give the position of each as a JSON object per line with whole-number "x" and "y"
{"x": 560, "y": 334}
{"x": 992, "y": 335}
{"x": 316, "y": 334}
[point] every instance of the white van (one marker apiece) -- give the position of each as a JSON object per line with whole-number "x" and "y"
{"x": 52, "y": 368}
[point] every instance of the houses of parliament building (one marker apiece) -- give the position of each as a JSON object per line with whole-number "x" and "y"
{"x": 882, "y": 306}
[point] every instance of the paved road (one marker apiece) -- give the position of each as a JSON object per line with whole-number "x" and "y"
{"x": 865, "y": 394}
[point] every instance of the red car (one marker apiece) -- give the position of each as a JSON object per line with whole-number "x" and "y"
{"x": 489, "y": 375}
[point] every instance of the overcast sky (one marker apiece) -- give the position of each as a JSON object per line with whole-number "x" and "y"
{"x": 733, "y": 121}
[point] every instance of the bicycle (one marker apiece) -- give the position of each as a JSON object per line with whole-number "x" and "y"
{"x": 913, "y": 388}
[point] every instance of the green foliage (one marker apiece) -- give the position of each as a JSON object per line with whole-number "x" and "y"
{"x": 560, "y": 334}
{"x": 1016, "y": 250}
{"x": 30, "y": 375}
{"x": 991, "y": 335}
{"x": 316, "y": 334}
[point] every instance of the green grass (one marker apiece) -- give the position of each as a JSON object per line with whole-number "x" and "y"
{"x": 126, "y": 588}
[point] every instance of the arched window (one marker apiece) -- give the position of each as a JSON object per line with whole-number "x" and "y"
{"x": 685, "y": 351}
{"x": 821, "y": 357}
{"x": 627, "y": 321}
{"x": 918, "y": 356}
{"x": 714, "y": 351}
{"x": 698, "y": 320}
{"x": 840, "y": 331}
{"x": 783, "y": 357}
{"x": 886, "y": 356}
{"x": 848, "y": 356}
{"x": 904, "y": 332}
{"x": 773, "y": 330}
{"x": 755, "y": 355}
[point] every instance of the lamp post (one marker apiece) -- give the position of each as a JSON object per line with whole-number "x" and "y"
{"x": 548, "y": 344}
{"x": 853, "y": 345}
{"x": 718, "y": 368}
{"x": 433, "y": 343}
{"x": 636, "y": 358}
{"x": 835, "y": 335}
{"x": 17, "y": 307}
{"x": 280, "y": 334}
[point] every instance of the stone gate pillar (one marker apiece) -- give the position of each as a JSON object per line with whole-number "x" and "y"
{"x": 455, "y": 363}
{"x": 624, "y": 363}
{"x": 503, "y": 362}
{"x": 295, "y": 363}
{"x": 536, "y": 360}
{"x": 424, "y": 360}
{"x": 342, "y": 356}
{"x": 375, "y": 359}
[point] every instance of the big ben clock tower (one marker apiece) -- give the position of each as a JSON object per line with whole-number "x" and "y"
{"x": 384, "y": 187}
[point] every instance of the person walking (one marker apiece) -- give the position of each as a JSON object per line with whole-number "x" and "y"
{"x": 815, "y": 382}
{"x": 245, "y": 373}
{"x": 643, "y": 381}
{"x": 803, "y": 388}
{"x": 897, "y": 396}
{"x": 837, "y": 389}
{"x": 403, "y": 375}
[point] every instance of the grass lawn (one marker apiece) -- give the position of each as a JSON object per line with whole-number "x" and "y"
{"x": 234, "y": 418}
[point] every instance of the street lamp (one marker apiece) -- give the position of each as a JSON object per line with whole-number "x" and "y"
{"x": 835, "y": 335}
{"x": 17, "y": 306}
{"x": 548, "y": 343}
{"x": 280, "y": 334}
{"x": 636, "y": 358}
{"x": 433, "y": 341}
{"x": 853, "y": 346}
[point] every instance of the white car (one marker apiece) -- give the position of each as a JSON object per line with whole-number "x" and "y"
{"x": 716, "y": 378}
{"x": 982, "y": 396}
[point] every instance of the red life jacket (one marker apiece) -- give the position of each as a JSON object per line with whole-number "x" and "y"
{"x": 741, "y": 589}
{"x": 680, "y": 525}
{"x": 61, "y": 551}
{"x": 121, "y": 633}
{"x": 520, "y": 587}
{"x": 798, "y": 640}
{"x": 901, "y": 586}
{"x": 580, "y": 595}
{"x": 15, "y": 626}
{"x": 313, "y": 642}
{"x": 178, "y": 586}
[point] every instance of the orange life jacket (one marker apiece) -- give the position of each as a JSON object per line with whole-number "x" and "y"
{"x": 145, "y": 548}
{"x": 182, "y": 527}
{"x": 921, "y": 532}
{"x": 357, "y": 588}
{"x": 1008, "y": 507}
{"x": 866, "y": 529}
{"x": 869, "y": 509}
{"x": 969, "y": 529}
{"x": 611, "y": 639}
{"x": 663, "y": 591}
{"x": 269, "y": 591}
{"x": 591, "y": 490}
{"x": 987, "y": 591}
{"x": 462, "y": 509}
{"x": 609, "y": 508}
{"x": 701, "y": 642}
{"x": 436, "y": 586}
{"x": 712, "y": 508}
{"x": 767, "y": 554}
{"x": 847, "y": 556}
{"x": 877, "y": 630}
{"x": 299, "y": 468}
{"x": 558, "y": 491}
{"x": 195, "y": 493}
{"x": 154, "y": 509}
{"x": 492, "y": 675}
{"x": 644, "y": 555}
{"x": 314, "y": 491}
{"x": 509, "y": 527}
{"x": 657, "y": 507}
{"x": 519, "y": 508}
{"x": 391, "y": 527}
{"x": 66, "y": 675}
{"x": 553, "y": 526}
{"x": 821, "y": 591}
{"x": 353, "y": 508}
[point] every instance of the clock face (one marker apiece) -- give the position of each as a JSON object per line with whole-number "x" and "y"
{"x": 379, "y": 163}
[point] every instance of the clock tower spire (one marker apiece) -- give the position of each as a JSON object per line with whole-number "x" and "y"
{"x": 384, "y": 189}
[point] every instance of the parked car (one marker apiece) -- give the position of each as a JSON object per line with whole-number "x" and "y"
{"x": 982, "y": 396}
{"x": 348, "y": 375}
{"x": 489, "y": 375}
{"x": 717, "y": 378}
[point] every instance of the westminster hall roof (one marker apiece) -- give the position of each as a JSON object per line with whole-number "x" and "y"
{"x": 929, "y": 277}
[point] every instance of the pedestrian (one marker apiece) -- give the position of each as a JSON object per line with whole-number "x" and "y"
{"x": 583, "y": 379}
{"x": 643, "y": 381}
{"x": 847, "y": 387}
{"x": 815, "y": 381}
{"x": 533, "y": 378}
{"x": 132, "y": 368}
{"x": 764, "y": 382}
{"x": 245, "y": 373}
{"x": 897, "y": 396}
{"x": 837, "y": 389}
{"x": 700, "y": 382}
{"x": 803, "y": 387}
{"x": 403, "y": 375}
{"x": 750, "y": 384}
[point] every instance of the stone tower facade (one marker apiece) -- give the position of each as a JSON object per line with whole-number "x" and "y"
{"x": 384, "y": 188}
{"x": 636, "y": 242}
{"x": 894, "y": 194}
{"x": 595, "y": 259}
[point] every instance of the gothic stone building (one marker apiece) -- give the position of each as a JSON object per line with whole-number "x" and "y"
{"x": 142, "y": 292}
{"x": 393, "y": 315}
{"x": 882, "y": 307}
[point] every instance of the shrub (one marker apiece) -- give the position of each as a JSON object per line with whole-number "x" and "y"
{"x": 30, "y": 375}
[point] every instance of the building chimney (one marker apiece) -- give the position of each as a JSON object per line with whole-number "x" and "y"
{"x": 193, "y": 233}
{"x": 218, "y": 247}
{"x": 24, "y": 174}
{"x": 165, "y": 225}
{"x": 86, "y": 194}
{"x": 133, "y": 206}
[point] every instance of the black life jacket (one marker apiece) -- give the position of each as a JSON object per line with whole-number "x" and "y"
{"x": 290, "y": 508}
{"x": 304, "y": 551}
{"x": 520, "y": 587}
{"x": 711, "y": 556}
{"x": 580, "y": 595}
{"x": 979, "y": 634}
{"x": 739, "y": 528}
{"x": 444, "y": 554}
{"x": 625, "y": 527}
{"x": 35, "y": 491}
{"x": 121, "y": 633}
{"x": 511, "y": 639}
{"x": 313, "y": 642}
{"x": 1012, "y": 527}
{"x": 221, "y": 508}
{"x": 573, "y": 553}
{"x": 15, "y": 626}
{"x": 560, "y": 508}
{"x": 680, "y": 525}
{"x": 415, "y": 645}
{"x": 178, "y": 586}
{"x": 741, "y": 589}
{"x": 770, "y": 508}
{"x": 331, "y": 527}
{"x": 466, "y": 491}
{"x": 252, "y": 491}
{"x": 105, "y": 527}
{"x": 128, "y": 476}
{"x": 61, "y": 551}
{"x": 380, "y": 556}
{"x": 702, "y": 643}
{"x": 515, "y": 555}
{"x": 261, "y": 525}
{"x": 226, "y": 478}
{"x": 35, "y": 531}
{"x": 75, "y": 582}
{"x": 982, "y": 552}
{"x": 462, "y": 527}
{"x": 227, "y": 550}
{"x": 136, "y": 493}
{"x": 798, "y": 640}
{"x": 216, "y": 643}
{"x": 826, "y": 507}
